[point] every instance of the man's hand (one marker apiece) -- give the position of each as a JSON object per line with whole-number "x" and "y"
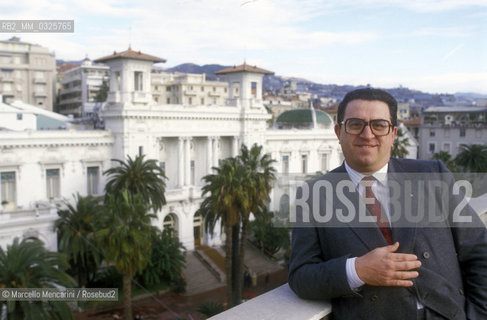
{"x": 383, "y": 267}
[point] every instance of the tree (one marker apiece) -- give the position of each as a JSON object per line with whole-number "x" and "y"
{"x": 239, "y": 187}
{"x": 224, "y": 192}
{"x": 446, "y": 158}
{"x": 259, "y": 175}
{"x": 102, "y": 94}
{"x": 76, "y": 226}
{"x": 267, "y": 235}
{"x": 125, "y": 237}
{"x": 473, "y": 158}
{"x": 167, "y": 259}
{"x": 399, "y": 148}
{"x": 138, "y": 176}
{"x": 27, "y": 264}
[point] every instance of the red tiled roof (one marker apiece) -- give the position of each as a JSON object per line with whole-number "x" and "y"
{"x": 412, "y": 122}
{"x": 131, "y": 54}
{"x": 242, "y": 68}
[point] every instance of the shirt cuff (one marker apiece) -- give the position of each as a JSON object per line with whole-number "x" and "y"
{"x": 353, "y": 280}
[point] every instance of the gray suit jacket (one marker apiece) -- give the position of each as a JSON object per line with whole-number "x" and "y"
{"x": 452, "y": 282}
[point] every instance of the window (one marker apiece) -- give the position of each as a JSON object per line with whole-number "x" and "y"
{"x": 19, "y": 116}
{"x": 214, "y": 89}
{"x": 168, "y": 100}
{"x": 170, "y": 221}
{"x": 162, "y": 165}
{"x": 462, "y": 132}
{"x": 141, "y": 150}
{"x": 432, "y": 133}
{"x": 431, "y": 147}
{"x": 117, "y": 80}
{"x": 168, "y": 88}
{"x": 304, "y": 163}
{"x": 193, "y": 172}
{"x": 53, "y": 184}
{"x": 138, "y": 81}
{"x": 190, "y": 101}
{"x": 93, "y": 180}
{"x": 285, "y": 164}
{"x": 7, "y": 180}
{"x": 447, "y": 147}
{"x": 202, "y": 89}
{"x": 203, "y": 101}
{"x": 253, "y": 89}
{"x": 324, "y": 162}
{"x": 284, "y": 206}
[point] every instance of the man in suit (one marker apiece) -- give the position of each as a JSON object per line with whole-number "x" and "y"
{"x": 372, "y": 239}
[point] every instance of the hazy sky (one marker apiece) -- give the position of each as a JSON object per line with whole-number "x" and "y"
{"x": 435, "y": 45}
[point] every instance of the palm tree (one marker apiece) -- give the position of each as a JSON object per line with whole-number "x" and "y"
{"x": 399, "y": 148}
{"x": 473, "y": 158}
{"x": 446, "y": 158}
{"x": 239, "y": 187}
{"x": 138, "y": 176}
{"x": 259, "y": 175}
{"x": 224, "y": 192}
{"x": 76, "y": 226}
{"x": 126, "y": 238}
{"x": 27, "y": 264}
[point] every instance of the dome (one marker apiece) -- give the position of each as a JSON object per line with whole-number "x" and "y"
{"x": 303, "y": 117}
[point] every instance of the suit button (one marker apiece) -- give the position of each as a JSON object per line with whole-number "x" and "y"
{"x": 461, "y": 291}
{"x": 426, "y": 255}
{"x": 374, "y": 298}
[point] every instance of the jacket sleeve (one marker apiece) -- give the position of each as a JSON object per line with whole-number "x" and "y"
{"x": 311, "y": 276}
{"x": 470, "y": 240}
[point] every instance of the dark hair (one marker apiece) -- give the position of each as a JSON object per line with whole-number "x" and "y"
{"x": 369, "y": 94}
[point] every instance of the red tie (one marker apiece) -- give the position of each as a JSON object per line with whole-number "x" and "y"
{"x": 377, "y": 210}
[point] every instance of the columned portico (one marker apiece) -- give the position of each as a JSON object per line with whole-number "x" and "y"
{"x": 181, "y": 161}
{"x": 187, "y": 161}
{"x": 209, "y": 155}
{"x": 235, "y": 146}
{"x": 215, "y": 151}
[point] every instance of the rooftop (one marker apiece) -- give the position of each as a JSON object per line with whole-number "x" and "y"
{"x": 130, "y": 54}
{"x": 244, "y": 68}
{"x": 303, "y": 116}
{"x": 455, "y": 109}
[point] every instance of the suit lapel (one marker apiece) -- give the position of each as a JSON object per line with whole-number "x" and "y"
{"x": 369, "y": 235}
{"x": 403, "y": 231}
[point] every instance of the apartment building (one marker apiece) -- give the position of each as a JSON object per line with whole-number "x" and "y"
{"x": 80, "y": 87}
{"x": 448, "y": 128}
{"x": 27, "y": 73}
{"x": 187, "y": 89}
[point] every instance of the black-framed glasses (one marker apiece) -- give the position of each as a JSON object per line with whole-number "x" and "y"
{"x": 379, "y": 127}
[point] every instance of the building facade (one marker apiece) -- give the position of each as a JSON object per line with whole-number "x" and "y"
{"x": 187, "y": 89}
{"x": 80, "y": 86}
{"x": 187, "y": 140}
{"x": 448, "y": 128}
{"x": 27, "y": 73}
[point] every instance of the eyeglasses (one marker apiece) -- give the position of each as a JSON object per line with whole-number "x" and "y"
{"x": 379, "y": 127}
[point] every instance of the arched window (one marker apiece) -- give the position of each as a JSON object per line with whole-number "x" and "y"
{"x": 197, "y": 228}
{"x": 284, "y": 206}
{"x": 170, "y": 222}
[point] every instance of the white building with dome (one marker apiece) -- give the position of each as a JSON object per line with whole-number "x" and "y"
{"x": 41, "y": 168}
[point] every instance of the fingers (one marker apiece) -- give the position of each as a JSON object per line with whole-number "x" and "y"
{"x": 407, "y": 265}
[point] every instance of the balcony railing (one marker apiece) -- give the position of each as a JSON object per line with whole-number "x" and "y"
{"x": 280, "y": 303}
